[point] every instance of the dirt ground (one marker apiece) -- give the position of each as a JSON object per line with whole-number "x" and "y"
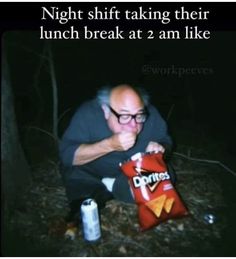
{"x": 37, "y": 227}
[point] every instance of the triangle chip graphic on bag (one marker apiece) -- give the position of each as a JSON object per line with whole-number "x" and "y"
{"x": 156, "y": 205}
{"x": 168, "y": 204}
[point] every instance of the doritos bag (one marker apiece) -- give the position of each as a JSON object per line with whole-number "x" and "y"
{"x": 153, "y": 191}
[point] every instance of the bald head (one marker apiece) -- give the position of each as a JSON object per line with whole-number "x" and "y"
{"x": 124, "y": 98}
{"x": 106, "y": 93}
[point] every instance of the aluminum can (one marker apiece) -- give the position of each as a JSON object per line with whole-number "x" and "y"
{"x": 90, "y": 220}
{"x": 209, "y": 218}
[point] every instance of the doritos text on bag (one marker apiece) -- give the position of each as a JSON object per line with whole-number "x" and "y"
{"x": 153, "y": 191}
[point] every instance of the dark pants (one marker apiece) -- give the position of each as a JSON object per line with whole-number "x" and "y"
{"x": 81, "y": 183}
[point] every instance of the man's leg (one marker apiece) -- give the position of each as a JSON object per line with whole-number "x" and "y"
{"x": 121, "y": 189}
{"x": 80, "y": 184}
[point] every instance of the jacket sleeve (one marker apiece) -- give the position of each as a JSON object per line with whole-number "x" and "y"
{"x": 76, "y": 134}
{"x": 159, "y": 126}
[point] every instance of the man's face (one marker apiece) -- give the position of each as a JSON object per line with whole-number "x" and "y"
{"x": 124, "y": 102}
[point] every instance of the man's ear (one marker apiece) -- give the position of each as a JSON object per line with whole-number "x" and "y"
{"x": 106, "y": 111}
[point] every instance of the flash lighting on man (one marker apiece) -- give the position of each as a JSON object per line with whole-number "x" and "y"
{"x": 103, "y": 132}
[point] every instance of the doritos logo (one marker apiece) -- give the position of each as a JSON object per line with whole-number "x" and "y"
{"x": 149, "y": 178}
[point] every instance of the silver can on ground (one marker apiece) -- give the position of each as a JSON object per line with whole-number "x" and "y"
{"x": 90, "y": 220}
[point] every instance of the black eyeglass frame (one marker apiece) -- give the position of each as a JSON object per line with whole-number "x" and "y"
{"x": 132, "y": 116}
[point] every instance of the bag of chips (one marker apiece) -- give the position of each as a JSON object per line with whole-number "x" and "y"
{"x": 153, "y": 191}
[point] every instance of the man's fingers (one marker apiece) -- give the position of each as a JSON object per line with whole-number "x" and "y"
{"x": 127, "y": 140}
{"x": 155, "y": 147}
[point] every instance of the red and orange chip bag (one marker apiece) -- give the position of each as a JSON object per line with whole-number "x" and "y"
{"x": 153, "y": 191}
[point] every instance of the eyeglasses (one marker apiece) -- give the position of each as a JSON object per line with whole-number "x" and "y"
{"x": 126, "y": 118}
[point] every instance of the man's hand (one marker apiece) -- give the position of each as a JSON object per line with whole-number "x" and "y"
{"x": 86, "y": 153}
{"x": 123, "y": 141}
{"x": 154, "y": 147}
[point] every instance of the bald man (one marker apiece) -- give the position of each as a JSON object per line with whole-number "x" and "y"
{"x": 105, "y": 131}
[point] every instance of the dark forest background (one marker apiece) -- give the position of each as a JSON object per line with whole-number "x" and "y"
{"x": 198, "y": 102}
{"x": 48, "y": 80}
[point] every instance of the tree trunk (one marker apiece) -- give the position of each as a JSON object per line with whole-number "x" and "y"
{"x": 15, "y": 170}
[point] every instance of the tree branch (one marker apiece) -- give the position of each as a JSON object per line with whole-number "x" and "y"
{"x": 206, "y": 161}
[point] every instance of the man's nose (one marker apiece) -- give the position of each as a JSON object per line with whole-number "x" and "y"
{"x": 133, "y": 123}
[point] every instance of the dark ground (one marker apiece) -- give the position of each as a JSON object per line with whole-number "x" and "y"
{"x": 37, "y": 226}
